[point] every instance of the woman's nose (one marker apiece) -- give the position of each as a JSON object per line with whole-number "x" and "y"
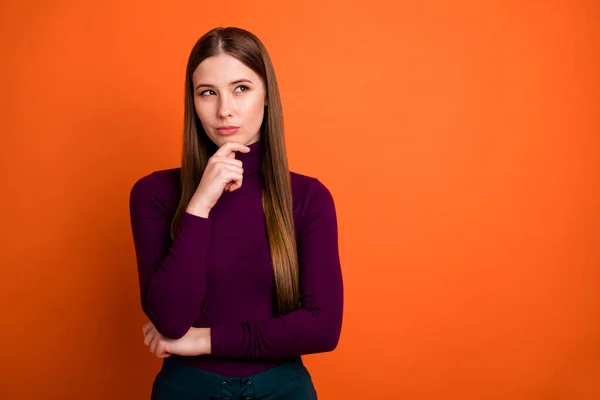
{"x": 225, "y": 107}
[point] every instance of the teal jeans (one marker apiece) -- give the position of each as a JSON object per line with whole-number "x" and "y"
{"x": 178, "y": 381}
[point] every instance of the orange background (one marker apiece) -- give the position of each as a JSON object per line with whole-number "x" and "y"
{"x": 460, "y": 142}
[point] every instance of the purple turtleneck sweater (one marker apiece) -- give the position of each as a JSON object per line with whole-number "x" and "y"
{"x": 217, "y": 272}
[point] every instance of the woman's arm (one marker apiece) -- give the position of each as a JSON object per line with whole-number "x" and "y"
{"x": 316, "y": 326}
{"x": 172, "y": 276}
{"x": 194, "y": 343}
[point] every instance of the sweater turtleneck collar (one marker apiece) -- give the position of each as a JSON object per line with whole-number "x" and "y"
{"x": 251, "y": 160}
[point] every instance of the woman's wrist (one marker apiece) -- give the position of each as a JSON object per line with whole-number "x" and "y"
{"x": 197, "y": 207}
{"x": 198, "y": 211}
{"x": 202, "y": 339}
{"x": 207, "y": 344}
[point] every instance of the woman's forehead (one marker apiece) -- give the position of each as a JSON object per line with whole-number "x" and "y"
{"x": 223, "y": 69}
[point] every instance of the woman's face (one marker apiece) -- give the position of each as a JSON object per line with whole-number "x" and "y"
{"x": 228, "y": 94}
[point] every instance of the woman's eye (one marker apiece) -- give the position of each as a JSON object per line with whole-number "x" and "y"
{"x": 241, "y": 86}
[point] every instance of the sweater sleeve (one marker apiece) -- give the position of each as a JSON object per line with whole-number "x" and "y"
{"x": 316, "y": 326}
{"x": 172, "y": 274}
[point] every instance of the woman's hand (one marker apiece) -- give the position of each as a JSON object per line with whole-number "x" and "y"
{"x": 223, "y": 173}
{"x": 194, "y": 343}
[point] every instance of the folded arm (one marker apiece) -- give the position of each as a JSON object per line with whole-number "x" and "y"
{"x": 172, "y": 274}
{"x": 315, "y": 327}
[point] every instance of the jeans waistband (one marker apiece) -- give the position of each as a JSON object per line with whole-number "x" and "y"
{"x": 265, "y": 381}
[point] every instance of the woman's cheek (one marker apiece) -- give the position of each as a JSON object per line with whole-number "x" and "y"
{"x": 258, "y": 108}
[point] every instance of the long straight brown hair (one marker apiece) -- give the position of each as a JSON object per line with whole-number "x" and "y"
{"x": 277, "y": 192}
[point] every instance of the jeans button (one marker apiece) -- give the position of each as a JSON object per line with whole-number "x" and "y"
{"x": 224, "y": 383}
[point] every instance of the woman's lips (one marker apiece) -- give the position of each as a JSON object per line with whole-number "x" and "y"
{"x": 228, "y": 130}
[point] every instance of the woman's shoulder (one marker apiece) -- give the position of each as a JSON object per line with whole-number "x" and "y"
{"x": 305, "y": 185}
{"x": 311, "y": 196}
{"x": 162, "y": 185}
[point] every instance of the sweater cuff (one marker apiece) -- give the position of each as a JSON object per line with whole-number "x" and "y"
{"x": 193, "y": 224}
{"x": 227, "y": 340}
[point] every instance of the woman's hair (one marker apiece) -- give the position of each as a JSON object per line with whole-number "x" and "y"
{"x": 277, "y": 193}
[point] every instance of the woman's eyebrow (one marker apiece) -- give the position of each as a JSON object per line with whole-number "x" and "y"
{"x": 231, "y": 83}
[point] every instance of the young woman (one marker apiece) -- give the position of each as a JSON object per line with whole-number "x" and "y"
{"x": 237, "y": 257}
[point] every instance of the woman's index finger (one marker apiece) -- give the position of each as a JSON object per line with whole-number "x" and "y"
{"x": 227, "y": 149}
